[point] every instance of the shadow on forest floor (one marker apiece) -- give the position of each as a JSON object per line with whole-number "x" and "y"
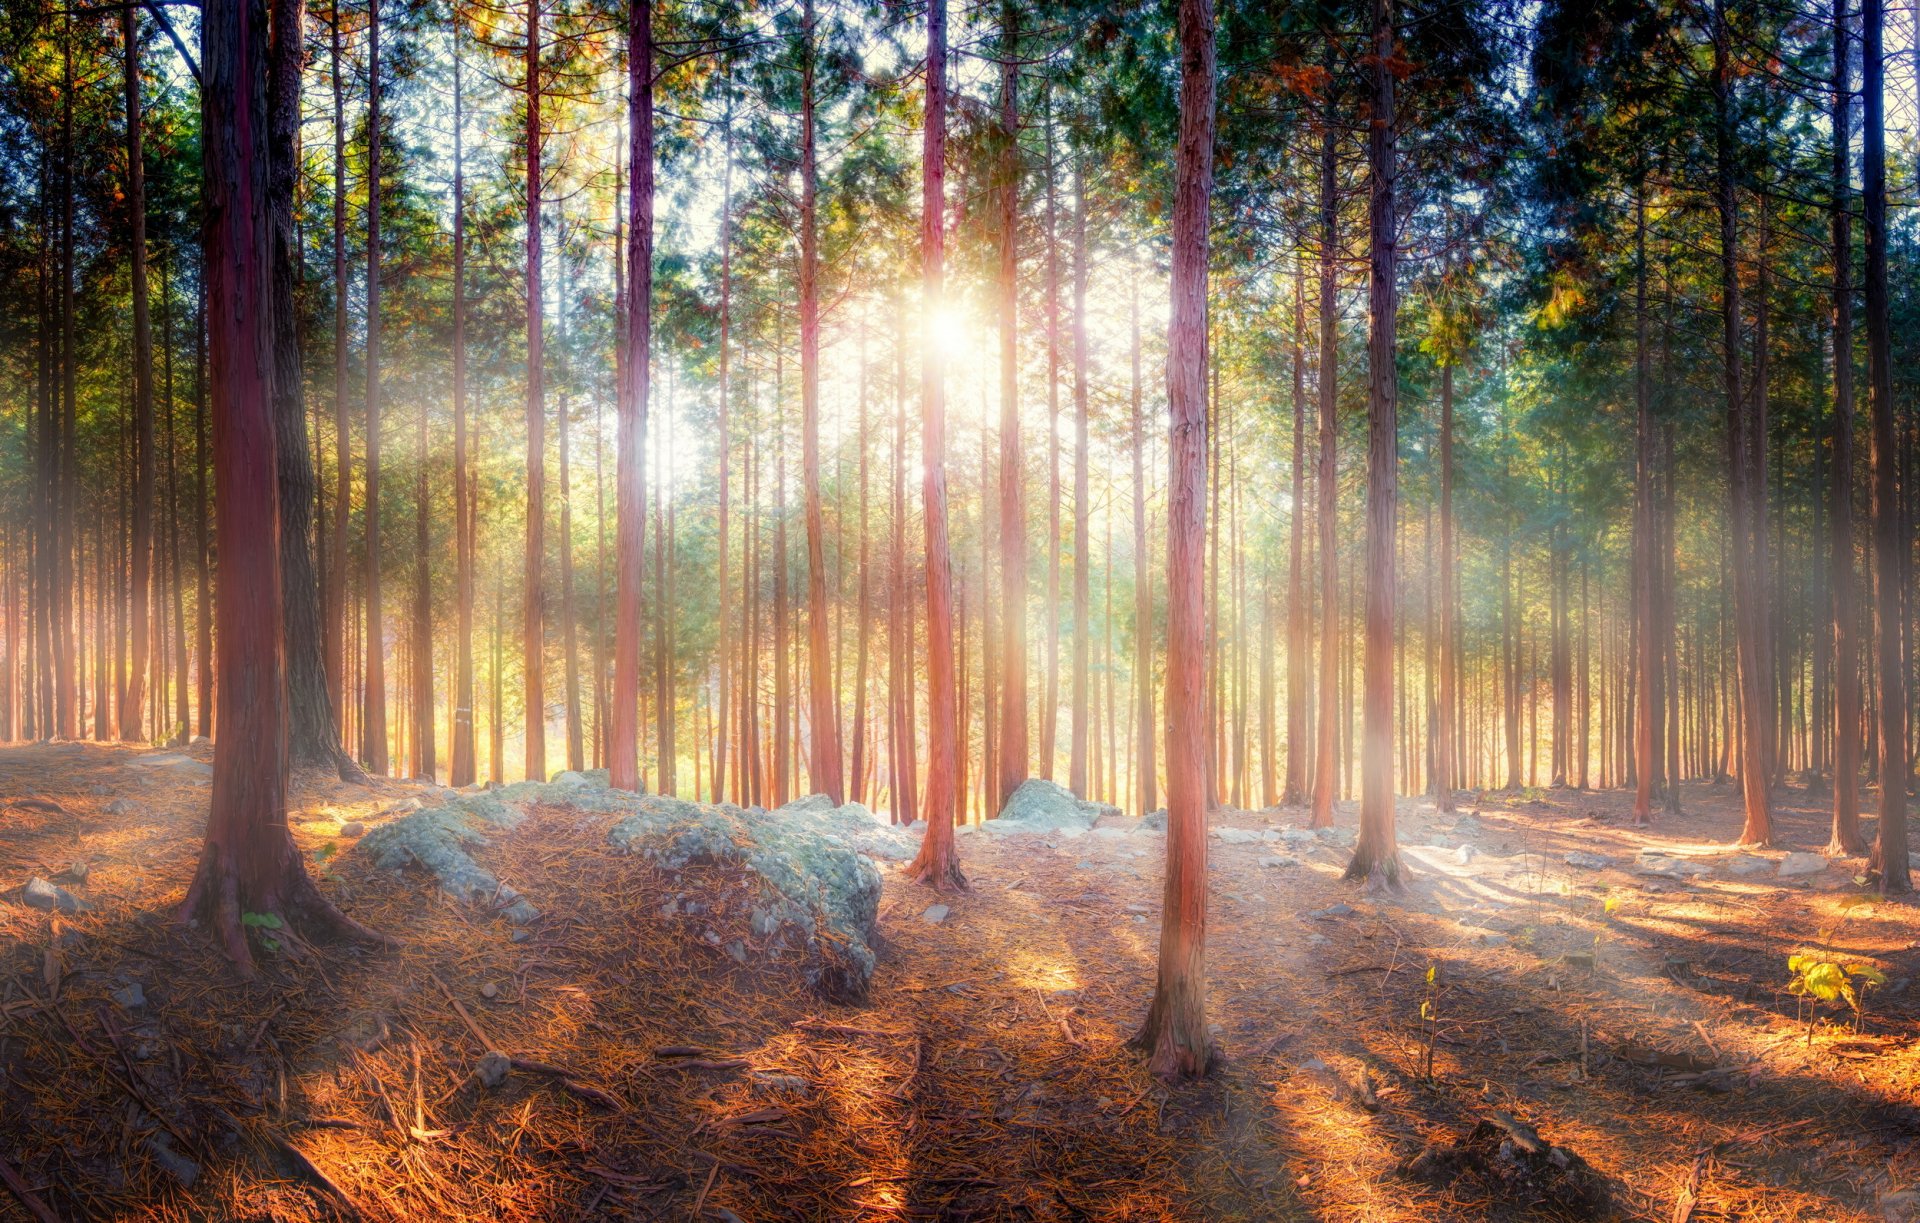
{"x": 1640, "y": 1021}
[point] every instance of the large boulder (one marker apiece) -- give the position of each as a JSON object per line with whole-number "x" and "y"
{"x": 818, "y": 890}
{"x": 1047, "y": 806}
{"x": 819, "y": 896}
{"x": 437, "y": 839}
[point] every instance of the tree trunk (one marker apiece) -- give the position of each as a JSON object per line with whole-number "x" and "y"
{"x": 1376, "y": 857}
{"x": 629, "y": 512}
{"x": 1845, "y": 840}
{"x": 249, "y": 864}
{"x": 824, "y": 761}
{"x": 937, "y": 863}
{"x": 533, "y": 639}
{"x": 464, "y": 765}
{"x": 133, "y": 701}
{"x": 1143, "y": 626}
{"x": 1082, "y": 507}
{"x": 373, "y": 725}
{"x": 1325, "y": 776}
{"x": 336, "y": 592}
{"x": 1443, "y": 757}
{"x": 1647, "y": 657}
{"x": 724, "y": 617}
{"x": 1012, "y": 745}
{"x": 1175, "y": 1035}
{"x": 1890, "y": 847}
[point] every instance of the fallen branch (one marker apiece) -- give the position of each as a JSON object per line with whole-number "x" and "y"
{"x": 28, "y": 1198}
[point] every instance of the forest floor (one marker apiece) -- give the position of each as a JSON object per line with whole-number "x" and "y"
{"x": 1640, "y": 1021}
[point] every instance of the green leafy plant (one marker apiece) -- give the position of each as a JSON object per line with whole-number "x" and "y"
{"x": 1815, "y": 980}
{"x": 264, "y": 921}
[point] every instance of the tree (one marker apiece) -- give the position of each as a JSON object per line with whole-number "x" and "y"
{"x": 133, "y": 699}
{"x": 1890, "y": 846}
{"x": 1175, "y": 1035}
{"x": 533, "y": 641}
{"x": 937, "y": 864}
{"x": 373, "y": 722}
{"x": 1375, "y": 856}
{"x": 1845, "y": 841}
{"x": 1012, "y": 747}
{"x": 630, "y": 495}
{"x": 249, "y": 869}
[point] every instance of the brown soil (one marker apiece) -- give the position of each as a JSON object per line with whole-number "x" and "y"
{"x": 1641, "y": 1024}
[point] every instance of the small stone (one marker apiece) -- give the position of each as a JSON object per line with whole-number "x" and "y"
{"x": 401, "y": 807}
{"x": 492, "y": 1069}
{"x": 1270, "y": 835}
{"x": 935, "y": 914}
{"x": 130, "y": 996}
{"x": 1279, "y": 860}
{"x": 1112, "y": 834}
{"x": 123, "y": 806}
{"x": 767, "y": 1082}
{"x": 1237, "y": 836}
{"x": 1800, "y": 863}
{"x": 1138, "y": 907}
{"x": 1587, "y": 861}
{"x": 1155, "y": 821}
{"x": 352, "y": 828}
{"x": 1747, "y": 864}
{"x": 39, "y": 894}
{"x": 79, "y": 871}
{"x": 738, "y": 950}
{"x": 182, "y": 1169}
{"x": 489, "y": 991}
{"x": 1463, "y": 855}
{"x": 1296, "y": 836}
{"x": 1336, "y": 836}
{"x": 1337, "y": 910}
{"x": 520, "y": 936}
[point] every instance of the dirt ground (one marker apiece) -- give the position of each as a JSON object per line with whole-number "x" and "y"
{"x": 1640, "y": 1022}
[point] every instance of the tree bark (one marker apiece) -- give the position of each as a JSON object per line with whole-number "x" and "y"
{"x": 533, "y": 628}
{"x": 1175, "y": 1035}
{"x": 1845, "y": 840}
{"x": 464, "y": 765}
{"x": 938, "y": 863}
{"x": 373, "y": 726}
{"x": 629, "y": 477}
{"x": 249, "y": 864}
{"x": 1325, "y": 777}
{"x": 133, "y": 701}
{"x": 1143, "y": 626}
{"x": 1890, "y": 847}
{"x": 1012, "y": 745}
{"x": 1376, "y": 857}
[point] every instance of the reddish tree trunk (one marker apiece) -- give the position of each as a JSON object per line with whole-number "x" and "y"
{"x": 1376, "y": 858}
{"x": 373, "y": 723}
{"x": 533, "y": 639}
{"x": 249, "y": 864}
{"x": 824, "y": 761}
{"x": 1175, "y": 1034}
{"x": 464, "y": 765}
{"x": 1012, "y": 745}
{"x": 629, "y": 477}
{"x": 134, "y": 699}
{"x": 1890, "y": 847}
{"x": 1443, "y": 756}
{"x": 1846, "y": 840}
{"x": 1148, "y": 797}
{"x": 1325, "y": 777}
{"x": 937, "y": 864}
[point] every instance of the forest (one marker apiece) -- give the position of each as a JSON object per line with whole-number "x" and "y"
{"x": 1039, "y": 609}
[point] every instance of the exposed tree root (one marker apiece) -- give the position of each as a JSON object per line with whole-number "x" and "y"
{"x": 223, "y": 894}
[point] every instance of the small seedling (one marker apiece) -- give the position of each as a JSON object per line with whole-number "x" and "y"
{"x": 1430, "y": 1015}
{"x": 1816, "y": 980}
{"x": 264, "y": 921}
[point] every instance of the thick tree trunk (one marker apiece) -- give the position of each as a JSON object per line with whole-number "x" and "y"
{"x": 1845, "y": 840}
{"x": 1376, "y": 857}
{"x": 1443, "y": 757}
{"x": 249, "y": 864}
{"x": 938, "y": 863}
{"x": 1890, "y": 847}
{"x": 1082, "y": 498}
{"x": 1012, "y": 739}
{"x": 336, "y": 592}
{"x": 1175, "y": 1035}
{"x": 313, "y": 736}
{"x": 1647, "y": 657}
{"x": 1295, "y": 787}
{"x": 722, "y": 539}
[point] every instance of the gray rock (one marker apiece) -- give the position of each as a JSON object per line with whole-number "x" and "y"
{"x": 1237, "y": 836}
{"x": 160, "y": 1146}
{"x": 1336, "y": 910}
{"x": 815, "y": 889}
{"x": 571, "y": 778}
{"x": 131, "y": 996}
{"x": 402, "y": 806}
{"x": 39, "y": 894}
{"x": 352, "y": 828}
{"x": 1748, "y": 864}
{"x": 123, "y": 806}
{"x": 1155, "y": 821}
{"x": 1464, "y": 854}
{"x": 1138, "y": 907}
{"x": 1669, "y": 867}
{"x": 1047, "y": 806}
{"x": 1587, "y": 861}
{"x": 492, "y": 1069}
{"x": 1800, "y": 863}
{"x": 935, "y": 914}
{"x": 1344, "y": 837}
{"x": 1279, "y": 860}
{"x": 856, "y": 826}
{"x": 438, "y": 838}
{"x": 1297, "y": 836}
